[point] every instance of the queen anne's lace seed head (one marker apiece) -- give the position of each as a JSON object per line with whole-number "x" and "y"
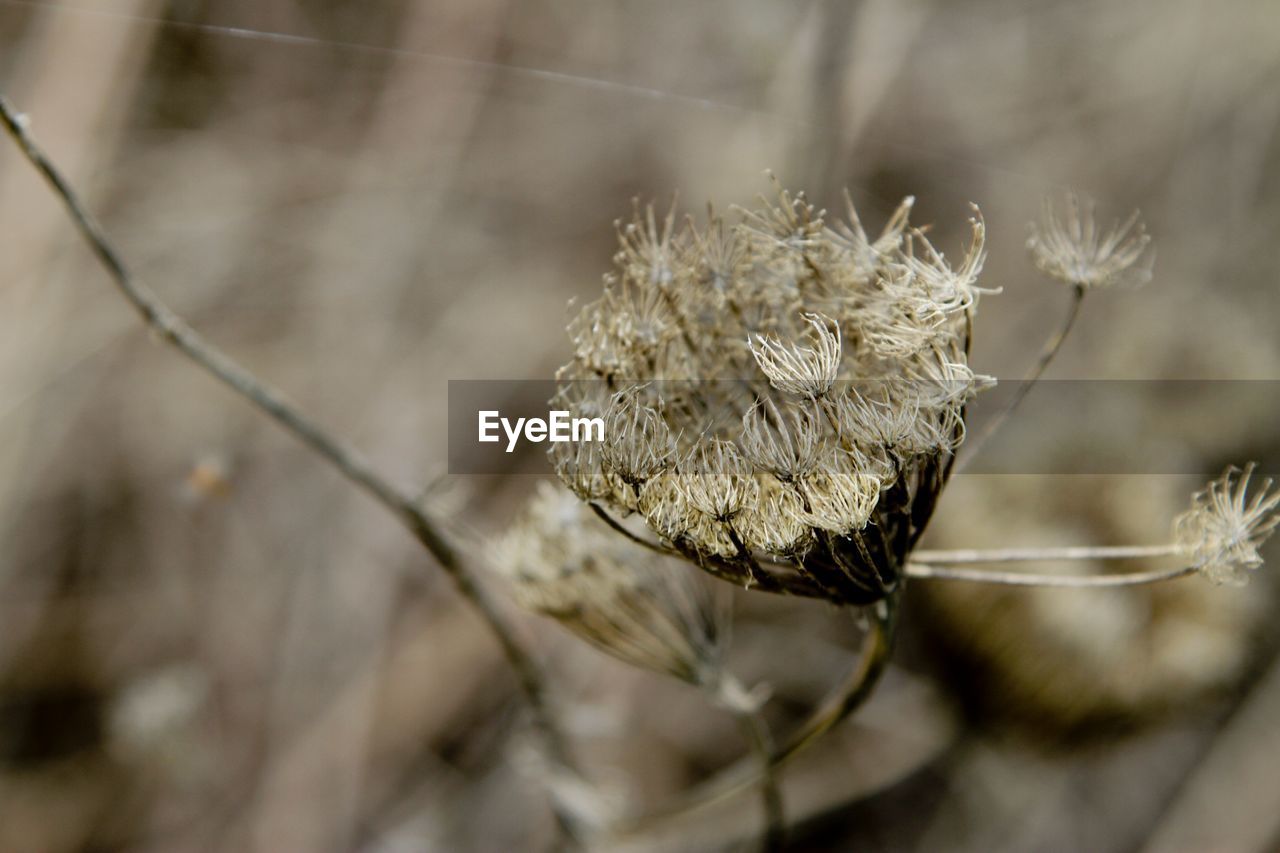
{"x": 806, "y": 371}
{"x": 563, "y": 562}
{"x": 777, "y": 524}
{"x": 945, "y": 288}
{"x": 581, "y": 467}
{"x": 1224, "y": 528}
{"x": 1072, "y": 249}
{"x": 865, "y": 256}
{"x": 719, "y": 482}
{"x": 718, "y": 256}
{"x": 942, "y": 380}
{"x": 823, "y": 378}
{"x": 788, "y": 445}
{"x": 896, "y": 423}
{"x": 638, "y": 443}
{"x": 650, "y": 253}
{"x": 840, "y": 497}
{"x": 790, "y": 223}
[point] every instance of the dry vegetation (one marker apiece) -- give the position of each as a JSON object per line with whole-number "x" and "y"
{"x": 210, "y": 641}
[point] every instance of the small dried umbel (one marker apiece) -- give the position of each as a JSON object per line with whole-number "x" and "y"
{"x": 1224, "y": 528}
{"x": 1072, "y": 249}
{"x": 782, "y": 397}
{"x": 564, "y": 562}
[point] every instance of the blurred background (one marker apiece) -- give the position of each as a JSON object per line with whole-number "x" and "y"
{"x": 209, "y": 641}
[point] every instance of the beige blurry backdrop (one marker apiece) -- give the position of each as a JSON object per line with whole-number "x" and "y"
{"x": 209, "y": 642}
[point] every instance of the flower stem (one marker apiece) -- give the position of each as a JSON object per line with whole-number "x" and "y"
{"x": 1047, "y": 355}
{"x": 757, "y": 732}
{"x": 173, "y": 330}
{"x": 929, "y": 572}
{"x": 1027, "y": 555}
{"x": 843, "y": 700}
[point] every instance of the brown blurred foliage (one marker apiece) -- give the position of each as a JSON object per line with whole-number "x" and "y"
{"x": 208, "y": 641}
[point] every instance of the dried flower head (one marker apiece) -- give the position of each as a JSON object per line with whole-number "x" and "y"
{"x": 649, "y": 252}
{"x": 1224, "y": 528}
{"x": 786, "y": 394}
{"x": 802, "y": 370}
{"x": 638, "y": 442}
{"x": 719, "y": 482}
{"x": 788, "y": 446}
{"x": 1072, "y": 249}
{"x": 866, "y": 255}
{"x": 564, "y": 562}
{"x": 913, "y": 302}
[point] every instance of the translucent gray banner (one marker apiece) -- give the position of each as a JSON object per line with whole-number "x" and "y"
{"x": 1061, "y": 427}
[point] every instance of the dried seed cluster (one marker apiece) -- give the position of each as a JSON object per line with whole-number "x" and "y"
{"x": 1224, "y": 528}
{"x": 782, "y": 396}
{"x": 564, "y": 562}
{"x": 1072, "y": 249}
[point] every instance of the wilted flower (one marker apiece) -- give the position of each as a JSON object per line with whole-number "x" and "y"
{"x": 1224, "y": 529}
{"x": 798, "y": 369}
{"x": 866, "y": 254}
{"x": 788, "y": 446}
{"x": 720, "y": 482}
{"x": 649, "y": 253}
{"x": 840, "y": 497}
{"x": 638, "y": 443}
{"x": 564, "y": 562}
{"x": 1073, "y": 250}
{"x": 823, "y": 380}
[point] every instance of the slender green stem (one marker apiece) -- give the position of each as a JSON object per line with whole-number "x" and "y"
{"x": 928, "y": 572}
{"x": 1027, "y": 555}
{"x": 1046, "y": 357}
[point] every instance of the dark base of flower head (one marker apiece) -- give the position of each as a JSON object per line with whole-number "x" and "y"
{"x": 851, "y": 570}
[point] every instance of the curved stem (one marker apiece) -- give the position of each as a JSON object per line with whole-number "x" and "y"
{"x": 924, "y": 571}
{"x": 173, "y": 330}
{"x": 1046, "y": 357}
{"x": 757, "y": 732}
{"x": 840, "y": 703}
{"x": 858, "y": 688}
{"x": 603, "y": 515}
{"x": 1027, "y": 555}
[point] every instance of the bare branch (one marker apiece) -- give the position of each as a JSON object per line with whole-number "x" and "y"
{"x": 928, "y": 572}
{"x": 1028, "y": 555}
{"x": 840, "y": 703}
{"x": 1047, "y": 355}
{"x": 608, "y": 519}
{"x": 173, "y": 330}
{"x": 757, "y": 731}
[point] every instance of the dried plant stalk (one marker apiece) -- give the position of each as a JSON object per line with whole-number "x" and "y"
{"x": 173, "y": 330}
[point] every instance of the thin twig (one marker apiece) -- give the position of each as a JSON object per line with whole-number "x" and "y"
{"x": 840, "y": 703}
{"x": 775, "y": 822}
{"x": 1047, "y": 355}
{"x": 924, "y": 571}
{"x": 1027, "y": 555}
{"x": 173, "y": 330}
{"x": 617, "y": 526}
